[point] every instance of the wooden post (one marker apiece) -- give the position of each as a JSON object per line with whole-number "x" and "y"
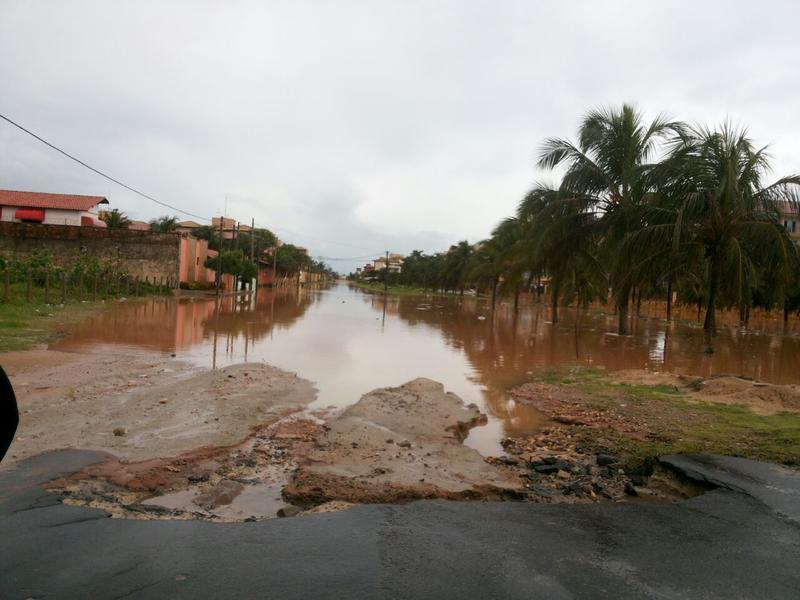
{"x": 6, "y": 284}
{"x": 28, "y": 285}
{"x": 105, "y": 287}
{"x": 94, "y": 287}
{"x": 64, "y": 286}
{"x": 81, "y": 288}
{"x": 47, "y": 284}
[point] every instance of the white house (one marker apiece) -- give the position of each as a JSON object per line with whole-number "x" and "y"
{"x": 50, "y": 209}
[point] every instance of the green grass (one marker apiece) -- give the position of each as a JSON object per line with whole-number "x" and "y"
{"x": 395, "y": 290}
{"x": 24, "y": 323}
{"x": 677, "y": 422}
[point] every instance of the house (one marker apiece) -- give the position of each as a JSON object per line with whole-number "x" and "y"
{"x": 790, "y": 218}
{"x": 50, "y": 209}
{"x": 187, "y": 226}
{"x": 395, "y": 263}
{"x": 139, "y": 226}
{"x": 228, "y": 227}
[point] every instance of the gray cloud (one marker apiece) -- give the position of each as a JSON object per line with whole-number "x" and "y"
{"x": 352, "y": 127}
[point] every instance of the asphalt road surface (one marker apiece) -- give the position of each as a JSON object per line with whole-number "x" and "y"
{"x": 740, "y": 540}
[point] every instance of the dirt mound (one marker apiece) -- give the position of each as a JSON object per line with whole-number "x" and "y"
{"x": 399, "y": 444}
{"x": 762, "y": 398}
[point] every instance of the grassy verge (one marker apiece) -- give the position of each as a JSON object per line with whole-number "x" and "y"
{"x": 24, "y": 326}
{"x": 24, "y": 323}
{"x": 396, "y": 290}
{"x": 639, "y": 422}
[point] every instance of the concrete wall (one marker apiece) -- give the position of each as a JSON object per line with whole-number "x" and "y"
{"x": 137, "y": 253}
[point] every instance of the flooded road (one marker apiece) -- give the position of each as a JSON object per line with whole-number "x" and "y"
{"x": 349, "y": 342}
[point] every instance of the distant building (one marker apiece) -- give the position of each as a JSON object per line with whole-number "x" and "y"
{"x": 51, "y": 209}
{"x": 139, "y": 225}
{"x": 395, "y": 263}
{"x": 187, "y": 226}
{"x": 228, "y": 227}
{"x": 790, "y": 218}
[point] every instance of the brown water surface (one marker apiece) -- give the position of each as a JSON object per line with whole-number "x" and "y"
{"x": 349, "y": 342}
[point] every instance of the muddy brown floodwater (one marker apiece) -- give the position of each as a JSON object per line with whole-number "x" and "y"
{"x": 349, "y": 342}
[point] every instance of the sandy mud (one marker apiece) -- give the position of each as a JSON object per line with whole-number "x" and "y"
{"x": 398, "y": 444}
{"x": 139, "y": 407}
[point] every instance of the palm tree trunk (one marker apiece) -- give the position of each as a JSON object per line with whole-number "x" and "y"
{"x": 669, "y": 298}
{"x": 554, "y": 301}
{"x": 638, "y": 302}
{"x": 494, "y": 291}
{"x": 516, "y": 299}
{"x": 710, "y": 323}
{"x": 622, "y": 310}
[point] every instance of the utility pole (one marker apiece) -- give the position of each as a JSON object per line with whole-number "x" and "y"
{"x": 253, "y": 250}
{"x": 275, "y": 264}
{"x": 219, "y": 257}
{"x": 386, "y": 274}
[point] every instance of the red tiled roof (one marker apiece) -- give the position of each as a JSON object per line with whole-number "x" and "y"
{"x": 40, "y": 200}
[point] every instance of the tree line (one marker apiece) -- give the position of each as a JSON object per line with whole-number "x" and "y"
{"x": 639, "y": 210}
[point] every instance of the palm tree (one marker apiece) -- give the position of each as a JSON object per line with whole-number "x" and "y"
{"x": 610, "y": 173}
{"x": 116, "y": 219}
{"x": 559, "y": 234}
{"x": 723, "y": 207}
{"x": 164, "y": 224}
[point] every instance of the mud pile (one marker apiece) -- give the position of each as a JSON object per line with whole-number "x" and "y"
{"x": 399, "y": 444}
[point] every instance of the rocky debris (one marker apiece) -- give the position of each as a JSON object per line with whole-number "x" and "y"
{"x": 118, "y": 431}
{"x": 605, "y": 460}
{"x": 556, "y": 471}
{"x": 222, "y": 493}
{"x": 207, "y": 483}
{"x": 289, "y": 511}
{"x": 354, "y": 462}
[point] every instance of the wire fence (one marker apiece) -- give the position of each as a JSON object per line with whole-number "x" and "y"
{"x": 37, "y": 280}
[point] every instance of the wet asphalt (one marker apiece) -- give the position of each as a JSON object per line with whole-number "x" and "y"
{"x": 739, "y": 540}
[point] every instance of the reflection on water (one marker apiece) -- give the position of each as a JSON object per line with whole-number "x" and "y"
{"x": 349, "y": 342}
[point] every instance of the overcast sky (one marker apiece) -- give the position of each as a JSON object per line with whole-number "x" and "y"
{"x": 354, "y": 127}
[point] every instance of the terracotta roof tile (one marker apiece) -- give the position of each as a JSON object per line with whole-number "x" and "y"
{"x": 41, "y": 200}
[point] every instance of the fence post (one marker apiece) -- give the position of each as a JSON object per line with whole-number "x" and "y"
{"x": 47, "y": 284}
{"x": 28, "y": 285}
{"x": 64, "y": 286}
{"x": 81, "y": 289}
{"x": 6, "y": 284}
{"x": 94, "y": 287}
{"x": 105, "y": 287}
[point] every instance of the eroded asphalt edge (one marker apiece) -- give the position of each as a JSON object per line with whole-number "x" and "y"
{"x": 740, "y": 540}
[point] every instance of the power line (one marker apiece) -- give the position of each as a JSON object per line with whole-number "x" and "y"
{"x": 349, "y": 257}
{"x": 147, "y": 196}
{"x": 99, "y": 172}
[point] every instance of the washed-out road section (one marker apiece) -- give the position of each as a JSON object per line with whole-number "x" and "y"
{"x": 738, "y": 540}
